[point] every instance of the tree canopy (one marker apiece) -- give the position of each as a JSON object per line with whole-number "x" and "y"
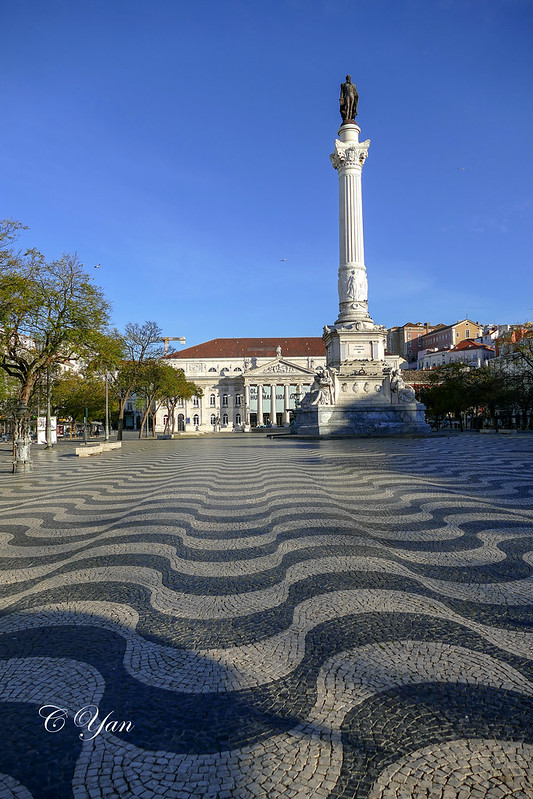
{"x": 50, "y": 311}
{"x": 159, "y": 383}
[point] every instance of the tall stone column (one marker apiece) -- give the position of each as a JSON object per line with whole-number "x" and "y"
{"x": 360, "y": 392}
{"x": 259, "y": 404}
{"x": 287, "y": 404}
{"x": 273, "y": 418}
{"x": 348, "y": 160}
{"x": 246, "y": 409}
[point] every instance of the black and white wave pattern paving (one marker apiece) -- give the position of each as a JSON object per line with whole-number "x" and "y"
{"x": 276, "y": 619}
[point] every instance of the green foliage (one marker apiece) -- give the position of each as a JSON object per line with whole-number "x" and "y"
{"x": 9, "y": 390}
{"x": 72, "y": 394}
{"x": 49, "y": 312}
{"x": 485, "y": 392}
{"x": 156, "y": 382}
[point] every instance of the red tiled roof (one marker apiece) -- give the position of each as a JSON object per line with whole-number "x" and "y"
{"x": 258, "y": 347}
{"x": 468, "y": 344}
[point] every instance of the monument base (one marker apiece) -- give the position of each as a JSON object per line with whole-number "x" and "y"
{"x": 361, "y": 398}
{"x": 347, "y": 421}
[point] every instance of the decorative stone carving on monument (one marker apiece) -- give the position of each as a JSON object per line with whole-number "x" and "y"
{"x": 279, "y": 367}
{"x": 348, "y": 100}
{"x": 349, "y": 154}
{"x": 278, "y": 351}
{"x": 353, "y": 286}
{"x": 323, "y": 389}
{"x": 399, "y": 387}
{"x": 357, "y": 285}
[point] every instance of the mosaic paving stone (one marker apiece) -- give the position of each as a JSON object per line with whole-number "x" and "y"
{"x": 245, "y": 618}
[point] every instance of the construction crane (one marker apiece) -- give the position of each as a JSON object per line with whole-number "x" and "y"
{"x": 166, "y": 339}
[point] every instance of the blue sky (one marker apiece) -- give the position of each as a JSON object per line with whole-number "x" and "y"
{"x": 184, "y": 146}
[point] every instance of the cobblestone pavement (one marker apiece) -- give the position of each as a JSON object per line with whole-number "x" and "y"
{"x": 263, "y": 618}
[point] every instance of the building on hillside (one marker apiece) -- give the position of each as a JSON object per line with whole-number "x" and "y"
{"x": 446, "y": 336}
{"x": 508, "y": 340}
{"x": 404, "y": 340}
{"x": 246, "y": 382}
{"x": 514, "y": 351}
{"x": 468, "y": 351}
{"x": 491, "y": 333}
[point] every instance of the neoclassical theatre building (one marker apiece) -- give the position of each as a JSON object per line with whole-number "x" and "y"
{"x": 246, "y": 382}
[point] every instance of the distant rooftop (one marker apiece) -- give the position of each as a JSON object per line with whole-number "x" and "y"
{"x": 254, "y": 347}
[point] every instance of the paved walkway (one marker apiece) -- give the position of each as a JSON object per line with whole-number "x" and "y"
{"x": 265, "y": 619}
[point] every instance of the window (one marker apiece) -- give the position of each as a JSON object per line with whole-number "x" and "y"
{"x": 212, "y": 369}
{"x": 237, "y": 369}
{"x": 225, "y": 400}
{"x": 468, "y": 333}
{"x": 180, "y": 402}
{"x": 225, "y": 419}
{"x": 237, "y": 418}
{"x": 237, "y": 399}
{"x": 212, "y": 400}
{"x": 213, "y": 419}
{"x": 195, "y": 402}
{"x": 196, "y": 420}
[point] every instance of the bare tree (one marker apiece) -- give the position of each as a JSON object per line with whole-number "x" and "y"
{"x": 140, "y": 344}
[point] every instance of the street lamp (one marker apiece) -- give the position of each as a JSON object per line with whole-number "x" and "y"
{"x": 106, "y": 437}
{"x": 49, "y": 443}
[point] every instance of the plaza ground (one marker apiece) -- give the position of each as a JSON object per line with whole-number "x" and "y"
{"x": 269, "y": 619}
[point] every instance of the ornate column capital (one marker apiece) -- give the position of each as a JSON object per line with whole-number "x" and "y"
{"x": 349, "y": 153}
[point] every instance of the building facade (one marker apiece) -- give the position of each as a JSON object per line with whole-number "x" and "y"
{"x": 470, "y": 352}
{"x": 404, "y": 340}
{"x": 450, "y": 335}
{"x": 246, "y": 383}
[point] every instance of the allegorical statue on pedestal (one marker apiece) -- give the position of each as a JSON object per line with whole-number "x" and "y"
{"x": 324, "y": 389}
{"x": 348, "y": 100}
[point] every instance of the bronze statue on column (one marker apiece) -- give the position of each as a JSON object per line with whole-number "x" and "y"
{"x": 348, "y": 100}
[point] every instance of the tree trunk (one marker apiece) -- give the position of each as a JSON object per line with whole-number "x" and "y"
{"x": 173, "y": 428}
{"x": 143, "y": 421}
{"x": 27, "y": 389}
{"x": 120, "y": 424}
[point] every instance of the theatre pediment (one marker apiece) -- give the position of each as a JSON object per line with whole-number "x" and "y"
{"x": 280, "y": 367}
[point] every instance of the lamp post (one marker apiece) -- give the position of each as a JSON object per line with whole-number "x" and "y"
{"x": 22, "y": 463}
{"x": 106, "y": 436}
{"x": 49, "y": 443}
